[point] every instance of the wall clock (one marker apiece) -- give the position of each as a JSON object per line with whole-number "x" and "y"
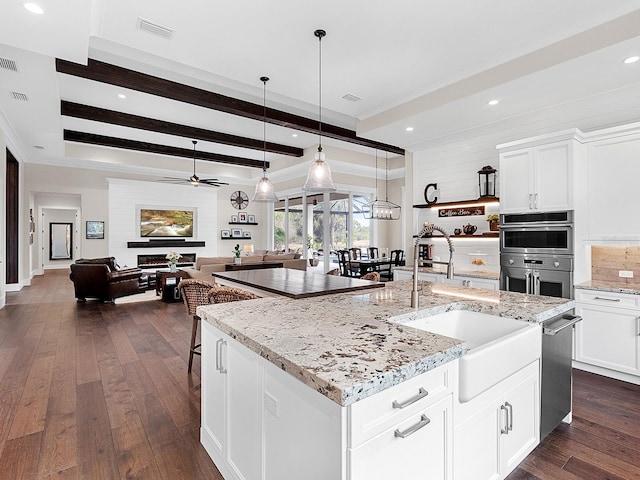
{"x": 239, "y": 200}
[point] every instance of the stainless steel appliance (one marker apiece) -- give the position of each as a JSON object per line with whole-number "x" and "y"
{"x": 555, "y": 389}
{"x": 537, "y": 274}
{"x": 548, "y": 233}
{"x": 536, "y": 253}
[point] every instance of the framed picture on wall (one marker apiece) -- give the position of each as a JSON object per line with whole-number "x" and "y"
{"x": 246, "y": 234}
{"x": 236, "y": 232}
{"x": 242, "y": 217}
{"x": 251, "y": 218}
{"x": 95, "y": 230}
{"x": 234, "y": 218}
{"x": 225, "y": 234}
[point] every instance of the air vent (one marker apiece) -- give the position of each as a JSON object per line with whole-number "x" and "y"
{"x": 351, "y": 97}
{"x": 38, "y": 147}
{"x": 8, "y": 64}
{"x": 19, "y": 96}
{"x": 154, "y": 28}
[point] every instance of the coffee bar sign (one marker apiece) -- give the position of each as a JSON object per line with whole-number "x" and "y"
{"x": 460, "y": 212}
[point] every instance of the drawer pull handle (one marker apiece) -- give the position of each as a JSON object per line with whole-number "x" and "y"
{"x": 607, "y": 299}
{"x": 424, "y": 421}
{"x": 421, "y": 394}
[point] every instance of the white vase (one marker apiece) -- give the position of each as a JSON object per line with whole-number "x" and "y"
{"x": 172, "y": 267}
{"x": 237, "y": 261}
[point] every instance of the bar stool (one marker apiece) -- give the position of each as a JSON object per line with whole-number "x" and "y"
{"x": 194, "y": 293}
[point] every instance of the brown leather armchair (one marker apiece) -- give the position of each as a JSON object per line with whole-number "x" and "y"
{"x": 101, "y": 279}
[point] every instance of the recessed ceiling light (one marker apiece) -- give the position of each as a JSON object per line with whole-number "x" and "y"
{"x": 122, "y": 95}
{"x": 33, "y": 8}
{"x": 493, "y": 102}
{"x": 633, "y": 59}
{"x": 294, "y": 135}
{"x": 409, "y": 129}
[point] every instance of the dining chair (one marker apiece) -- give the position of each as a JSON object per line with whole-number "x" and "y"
{"x": 355, "y": 253}
{"x": 347, "y": 269}
{"x": 396, "y": 259}
{"x": 194, "y": 293}
{"x": 373, "y": 252}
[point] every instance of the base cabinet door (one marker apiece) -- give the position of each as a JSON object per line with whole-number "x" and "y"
{"x": 417, "y": 448}
{"x": 490, "y": 444}
{"x": 214, "y": 389}
{"x": 609, "y": 337}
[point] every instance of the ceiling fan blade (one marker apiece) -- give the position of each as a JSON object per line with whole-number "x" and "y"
{"x": 212, "y": 182}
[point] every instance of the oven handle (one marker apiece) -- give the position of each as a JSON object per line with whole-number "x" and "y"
{"x": 570, "y": 321}
{"x": 534, "y": 226}
{"x": 536, "y": 282}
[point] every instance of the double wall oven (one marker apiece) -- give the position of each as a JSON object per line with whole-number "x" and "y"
{"x": 536, "y": 253}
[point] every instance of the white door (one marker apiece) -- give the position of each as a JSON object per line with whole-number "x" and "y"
{"x": 553, "y": 177}
{"x": 521, "y": 405}
{"x": 516, "y": 181}
{"x": 214, "y": 388}
{"x": 608, "y": 337}
{"x": 475, "y": 446}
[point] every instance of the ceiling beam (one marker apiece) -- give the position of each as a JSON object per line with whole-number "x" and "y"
{"x": 142, "y": 82}
{"x": 97, "y": 114}
{"x": 105, "y": 141}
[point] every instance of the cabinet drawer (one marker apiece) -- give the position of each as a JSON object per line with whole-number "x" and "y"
{"x": 377, "y": 413}
{"x": 424, "y": 452}
{"x": 608, "y": 299}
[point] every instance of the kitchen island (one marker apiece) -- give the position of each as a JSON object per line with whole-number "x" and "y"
{"x": 294, "y": 388}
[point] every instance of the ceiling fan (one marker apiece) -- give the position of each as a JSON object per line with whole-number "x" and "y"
{"x": 194, "y": 179}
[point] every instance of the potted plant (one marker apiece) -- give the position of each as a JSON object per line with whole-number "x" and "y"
{"x": 493, "y": 220}
{"x": 236, "y": 252}
{"x": 173, "y": 258}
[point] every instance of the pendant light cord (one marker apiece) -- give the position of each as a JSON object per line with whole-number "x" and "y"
{"x": 386, "y": 176}
{"x": 194, "y": 157}
{"x": 264, "y": 122}
{"x": 320, "y": 34}
{"x": 376, "y": 175}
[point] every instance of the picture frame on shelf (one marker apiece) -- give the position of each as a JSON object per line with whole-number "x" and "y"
{"x": 95, "y": 230}
{"x": 242, "y": 217}
{"x": 234, "y": 218}
{"x": 251, "y": 218}
{"x": 246, "y": 234}
{"x": 236, "y": 233}
{"x": 225, "y": 233}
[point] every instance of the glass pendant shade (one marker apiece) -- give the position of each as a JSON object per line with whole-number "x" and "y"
{"x": 319, "y": 177}
{"x": 264, "y": 190}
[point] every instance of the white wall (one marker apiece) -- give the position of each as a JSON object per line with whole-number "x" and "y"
{"x": 126, "y": 197}
{"x": 454, "y": 168}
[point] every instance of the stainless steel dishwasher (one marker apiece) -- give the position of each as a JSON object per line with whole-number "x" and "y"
{"x": 555, "y": 388}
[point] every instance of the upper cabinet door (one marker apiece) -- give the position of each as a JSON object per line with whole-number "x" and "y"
{"x": 538, "y": 178}
{"x": 516, "y": 181}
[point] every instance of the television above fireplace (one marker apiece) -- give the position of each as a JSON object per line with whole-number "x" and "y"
{"x": 155, "y": 223}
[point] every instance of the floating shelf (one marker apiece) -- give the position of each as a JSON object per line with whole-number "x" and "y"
{"x": 243, "y": 223}
{"x": 165, "y": 243}
{"x": 235, "y": 238}
{"x": 469, "y": 203}
{"x": 482, "y": 235}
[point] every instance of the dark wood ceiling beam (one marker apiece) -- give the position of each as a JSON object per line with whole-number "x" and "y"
{"x": 105, "y": 141}
{"x": 112, "y": 117}
{"x": 142, "y": 82}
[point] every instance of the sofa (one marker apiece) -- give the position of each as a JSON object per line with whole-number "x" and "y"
{"x": 205, "y": 266}
{"x": 102, "y": 279}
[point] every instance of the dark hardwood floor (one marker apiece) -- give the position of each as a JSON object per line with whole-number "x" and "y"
{"x": 98, "y": 391}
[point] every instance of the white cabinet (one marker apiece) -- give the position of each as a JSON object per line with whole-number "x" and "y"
{"x": 231, "y": 415}
{"x": 613, "y": 189}
{"x": 419, "y": 447}
{"x": 496, "y": 430}
{"x": 441, "y": 278}
{"x": 609, "y": 334}
{"x": 537, "y": 178}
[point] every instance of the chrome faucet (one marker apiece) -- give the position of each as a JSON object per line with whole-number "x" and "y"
{"x": 428, "y": 228}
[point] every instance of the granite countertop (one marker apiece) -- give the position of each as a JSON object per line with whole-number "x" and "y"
{"x": 463, "y": 273}
{"x": 343, "y": 346}
{"x": 610, "y": 286}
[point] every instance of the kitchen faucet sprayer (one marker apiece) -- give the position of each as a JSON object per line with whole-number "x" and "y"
{"x": 429, "y": 228}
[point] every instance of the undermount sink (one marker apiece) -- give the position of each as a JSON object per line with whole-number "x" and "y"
{"x": 498, "y": 346}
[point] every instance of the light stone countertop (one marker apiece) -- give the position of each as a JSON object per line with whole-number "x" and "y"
{"x": 343, "y": 345}
{"x": 614, "y": 287}
{"x": 464, "y": 273}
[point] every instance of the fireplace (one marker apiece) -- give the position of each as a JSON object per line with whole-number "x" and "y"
{"x": 160, "y": 260}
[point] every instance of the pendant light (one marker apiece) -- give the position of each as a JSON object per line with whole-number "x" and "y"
{"x": 264, "y": 187}
{"x": 383, "y": 209}
{"x": 319, "y": 177}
